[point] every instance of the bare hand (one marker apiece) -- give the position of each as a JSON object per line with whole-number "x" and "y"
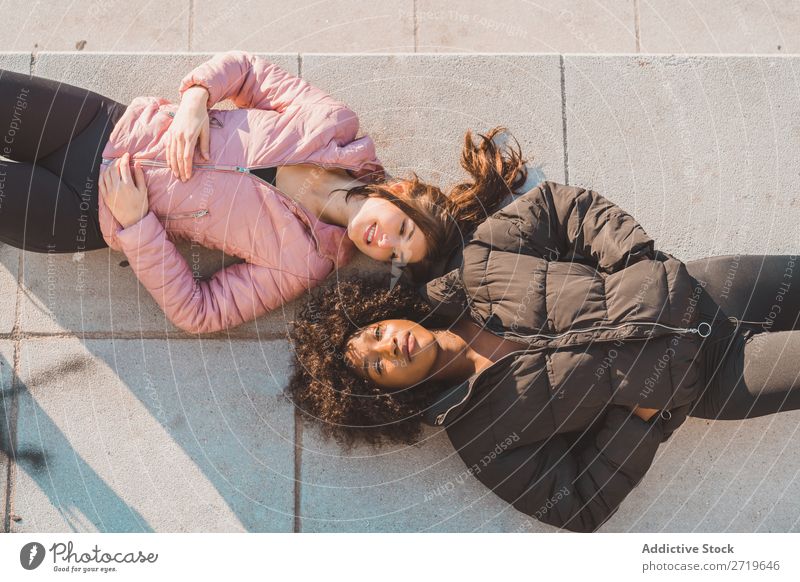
{"x": 644, "y": 413}
{"x": 190, "y": 124}
{"x": 124, "y": 194}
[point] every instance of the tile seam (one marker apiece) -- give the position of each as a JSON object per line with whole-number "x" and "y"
{"x": 564, "y": 118}
{"x": 13, "y": 414}
{"x": 415, "y": 24}
{"x": 298, "y": 459}
{"x": 189, "y": 38}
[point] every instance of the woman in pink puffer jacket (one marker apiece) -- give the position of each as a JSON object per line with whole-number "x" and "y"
{"x": 282, "y": 182}
{"x": 280, "y": 121}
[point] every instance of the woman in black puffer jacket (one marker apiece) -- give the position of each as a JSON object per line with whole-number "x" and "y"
{"x": 558, "y": 353}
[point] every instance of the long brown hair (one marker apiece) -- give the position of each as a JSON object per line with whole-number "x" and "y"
{"x": 495, "y": 172}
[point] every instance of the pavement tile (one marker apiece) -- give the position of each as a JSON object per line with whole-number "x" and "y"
{"x": 126, "y": 76}
{"x": 418, "y": 107}
{"x": 152, "y": 435}
{"x": 304, "y": 26}
{"x": 709, "y": 140}
{"x": 16, "y": 61}
{"x": 717, "y": 26}
{"x": 423, "y": 488}
{"x": 573, "y": 26}
{"x": 111, "y": 25}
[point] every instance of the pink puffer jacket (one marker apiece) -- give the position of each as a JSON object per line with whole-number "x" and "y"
{"x": 282, "y": 120}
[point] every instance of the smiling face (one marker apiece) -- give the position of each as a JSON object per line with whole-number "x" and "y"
{"x": 385, "y": 233}
{"x": 393, "y": 353}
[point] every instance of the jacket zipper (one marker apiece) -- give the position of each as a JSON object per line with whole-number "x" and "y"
{"x": 179, "y": 215}
{"x": 440, "y": 418}
{"x": 160, "y": 164}
{"x": 227, "y": 168}
{"x": 696, "y": 330}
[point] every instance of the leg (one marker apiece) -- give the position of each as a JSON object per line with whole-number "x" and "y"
{"x": 53, "y": 134}
{"x": 41, "y": 213}
{"x": 758, "y": 375}
{"x": 760, "y": 290}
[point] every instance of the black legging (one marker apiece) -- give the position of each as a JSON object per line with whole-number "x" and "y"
{"x": 52, "y": 135}
{"x": 751, "y": 360}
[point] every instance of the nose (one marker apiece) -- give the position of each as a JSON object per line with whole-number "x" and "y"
{"x": 385, "y": 241}
{"x": 388, "y": 347}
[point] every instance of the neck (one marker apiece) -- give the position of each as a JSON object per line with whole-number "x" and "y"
{"x": 331, "y": 204}
{"x": 456, "y": 361}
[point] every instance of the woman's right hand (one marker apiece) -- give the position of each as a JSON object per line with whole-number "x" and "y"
{"x": 190, "y": 124}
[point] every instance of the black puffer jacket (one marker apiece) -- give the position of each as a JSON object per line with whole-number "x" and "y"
{"x": 604, "y": 322}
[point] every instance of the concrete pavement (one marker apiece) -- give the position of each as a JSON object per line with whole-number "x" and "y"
{"x": 122, "y": 423}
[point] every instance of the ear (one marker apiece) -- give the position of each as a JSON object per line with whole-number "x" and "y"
{"x": 397, "y": 188}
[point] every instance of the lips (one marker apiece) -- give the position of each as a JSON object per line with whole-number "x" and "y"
{"x": 410, "y": 345}
{"x": 367, "y": 233}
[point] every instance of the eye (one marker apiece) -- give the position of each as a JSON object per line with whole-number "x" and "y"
{"x": 377, "y": 332}
{"x": 379, "y": 368}
{"x": 402, "y": 228}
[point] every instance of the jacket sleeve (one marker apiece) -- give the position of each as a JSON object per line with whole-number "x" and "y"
{"x": 252, "y": 82}
{"x": 232, "y": 296}
{"x": 576, "y": 489}
{"x": 553, "y": 220}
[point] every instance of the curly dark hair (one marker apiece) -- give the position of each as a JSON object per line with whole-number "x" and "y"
{"x": 324, "y": 387}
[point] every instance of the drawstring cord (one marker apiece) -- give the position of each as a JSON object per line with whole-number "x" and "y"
{"x": 737, "y": 323}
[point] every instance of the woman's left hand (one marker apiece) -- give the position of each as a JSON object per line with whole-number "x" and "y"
{"x": 644, "y": 413}
{"x": 124, "y": 194}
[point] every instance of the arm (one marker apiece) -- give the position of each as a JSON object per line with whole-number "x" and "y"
{"x": 252, "y": 82}
{"x": 576, "y": 489}
{"x": 232, "y": 296}
{"x": 553, "y": 220}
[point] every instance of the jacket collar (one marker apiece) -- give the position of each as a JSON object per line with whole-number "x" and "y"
{"x": 449, "y": 404}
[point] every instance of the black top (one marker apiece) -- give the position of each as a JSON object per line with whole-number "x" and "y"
{"x": 266, "y": 174}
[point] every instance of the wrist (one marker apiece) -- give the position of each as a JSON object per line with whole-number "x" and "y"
{"x": 130, "y": 223}
{"x": 196, "y": 94}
